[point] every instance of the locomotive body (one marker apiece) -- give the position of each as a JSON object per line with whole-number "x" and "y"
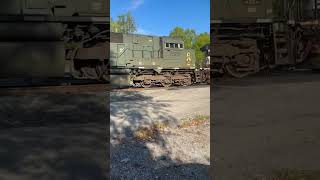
{"x": 54, "y": 38}
{"x": 152, "y": 60}
{"x": 252, "y": 35}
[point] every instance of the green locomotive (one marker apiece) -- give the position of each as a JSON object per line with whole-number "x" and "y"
{"x": 151, "y": 60}
{"x": 54, "y": 38}
{"x": 252, "y": 35}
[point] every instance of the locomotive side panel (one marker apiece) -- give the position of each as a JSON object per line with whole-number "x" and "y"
{"x": 150, "y": 52}
{"x": 82, "y": 27}
{"x": 55, "y": 7}
{"x": 10, "y": 7}
{"x": 241, "y": 9}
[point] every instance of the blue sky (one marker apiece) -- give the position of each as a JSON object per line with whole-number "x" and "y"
{"x": 159, "y": 17}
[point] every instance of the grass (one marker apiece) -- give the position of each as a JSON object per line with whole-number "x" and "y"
{"x": 150, "y": 133}
{"x": 194, "y": 121}
{"x": 287, "y": 174}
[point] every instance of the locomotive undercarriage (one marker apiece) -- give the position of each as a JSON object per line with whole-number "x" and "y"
{"x": 87, "y": 51}
{"x": 243, "y": 49}
{"x": 167, "y": 77}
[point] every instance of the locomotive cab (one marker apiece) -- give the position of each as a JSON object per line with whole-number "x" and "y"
{"x": 174, "y": 50}
{"x": 171, "y": 47}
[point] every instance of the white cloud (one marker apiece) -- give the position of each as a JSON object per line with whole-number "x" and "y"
{"x": 135, "y": 4}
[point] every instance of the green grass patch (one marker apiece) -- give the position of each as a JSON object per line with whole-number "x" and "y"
{"x": 151, "y": 132}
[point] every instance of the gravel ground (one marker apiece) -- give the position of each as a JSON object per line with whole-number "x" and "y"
{"x": 63, "y": 135}
{"x": 54, "y": 136}
{"x": 172, "y": 154}
{"x": 136, "y": 109}
{"x": 261, "y": 124}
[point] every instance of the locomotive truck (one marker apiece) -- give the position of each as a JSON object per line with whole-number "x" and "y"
{"x": 251, "y": 35}
{"x": 54, "y": 38}
{"x": 144, "y": 61}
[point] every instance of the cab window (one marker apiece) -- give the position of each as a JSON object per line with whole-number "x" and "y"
{"x": 174, "y": 45}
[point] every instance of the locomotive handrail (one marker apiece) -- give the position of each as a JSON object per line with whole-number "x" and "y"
{"x": 96, "y": 35}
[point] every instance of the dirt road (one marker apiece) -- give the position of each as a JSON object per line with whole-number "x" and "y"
{"x": 261, "y": 124}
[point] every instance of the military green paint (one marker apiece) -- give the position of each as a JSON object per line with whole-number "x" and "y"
{"x": 241, "y": 9}
{"x": 31, "y": 33}
{"x": 141, "y": 51}
{"x": 55, "y": 7}
{"x": 259, "y": 10}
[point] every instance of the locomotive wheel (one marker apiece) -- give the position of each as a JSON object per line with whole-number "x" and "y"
{"x": 232, "y": 70}
{"x": 146, "y": 84}
{"x": 244, "y": 65}
{"x": 303, "y": 49}
{"x": 187, "y": 82}
{"x": 166, "y": 84}
{"x": 89, "y": 73}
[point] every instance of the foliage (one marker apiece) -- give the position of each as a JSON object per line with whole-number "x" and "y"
{"x": 124, "y": 24}
{"x": 201, "y": 40}
{"x": 188, "y": 36}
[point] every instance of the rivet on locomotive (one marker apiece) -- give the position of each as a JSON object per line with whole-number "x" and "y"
{"x": 145, "y": 61}
{"x": 54, "y": 38}
{"x": 251, "y": 35}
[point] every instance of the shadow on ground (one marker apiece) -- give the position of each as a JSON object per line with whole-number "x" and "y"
{"x": 268, "y": 78}
{"x": 132, "y": 158}
{"x": 262, "y": 124}
{"x": 54, "y": 136}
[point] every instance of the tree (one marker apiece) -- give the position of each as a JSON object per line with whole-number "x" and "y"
{"x": 114, "y": 26}
{"x": 188, "y": 36}
{"x": 124, "y": 24}
{"x": 201, "y": 40}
